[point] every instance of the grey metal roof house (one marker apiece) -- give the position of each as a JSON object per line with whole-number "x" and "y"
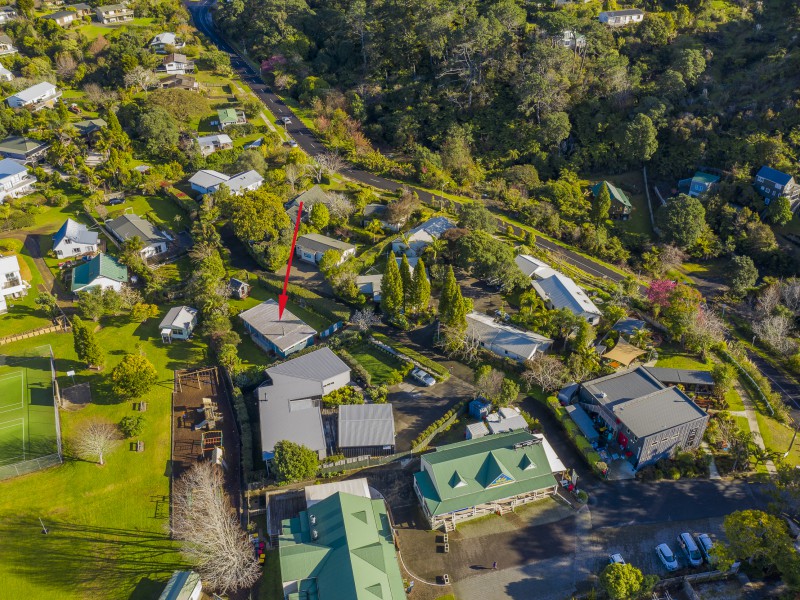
{"x": 418, "y": 238}
{"x": 178, "y": 323}
{"x": 289, "y": 400}
{"x": 366, "y": 429}
{"x": 649, "y": 420}
{"x": 504, "y": 340}
{"x": 690, "y": 379}
{"x": 183, "y": 585}
{"x": 559, "y": 291}
{"x": 311, "y": 247}
{"x": 274, "y": 334}
{"x": 129, "y": 226}
{"x": 533, "y": 267}
{"x": 370, "y": 286}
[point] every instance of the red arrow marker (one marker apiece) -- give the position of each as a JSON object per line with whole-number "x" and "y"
{"x": 283, "y": 298}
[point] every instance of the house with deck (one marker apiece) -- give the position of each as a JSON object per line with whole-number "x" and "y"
{"x": 6, "y": 45}
{"x": 176, "y": 64}
{"x": 23, "y": 149}
{"x": 620, "y": 18}
{"x": 178, "y": 323}
{"x": 208, "y": 181}
{"x": 230, "y": 116}
{"x": 15, "y": 180}
{"x": 114, "y": 13}
{"x": 12, "y": 285}
{"x": 62, "y": 18}
{"x": 771, "y": 184}
{"x": 493, "y": 474}
{"x": 7, "y": 13}
{"x": 213, "y": 143}
{"x": 36, "y": 97}
{"x": 129, "y": 226}
{"x": 164, "y": 41}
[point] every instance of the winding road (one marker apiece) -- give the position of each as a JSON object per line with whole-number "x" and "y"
{"x": 201, "y": 14}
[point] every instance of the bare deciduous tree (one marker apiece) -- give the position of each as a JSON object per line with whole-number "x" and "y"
{"x": 209, "y": 531}
{"x": 141, "y": 78}
{"x": 547, "y": 372}
{"x": 489, "y": 383}
{"x": 339, "y": 206}
{"x": 775, "y": 331}
{"x": 769, "y": 299}
{"x": 94, "y": 439}
{"x": 790, "y": 294}
{"x": 364, "y": 319}
{"x": 293, "y": 174}
{"x": 327, "y": 163}
{"x": 66, "y": 66}
{"x": 671, "y": 257}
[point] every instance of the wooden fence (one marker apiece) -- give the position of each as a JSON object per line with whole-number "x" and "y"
{"x": 60, "y": 328}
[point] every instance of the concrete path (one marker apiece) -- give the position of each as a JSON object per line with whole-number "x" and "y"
{"x": 713, "y": 472}
{"x": 750, "y": 413}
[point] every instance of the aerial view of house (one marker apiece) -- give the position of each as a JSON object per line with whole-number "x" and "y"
{"x": 129, "y": 226}
{"x": 102, "y": 271}
{"x": 74, "y": 239}
{"x": 281, "y": 335}
{"x": 311, "y": 247}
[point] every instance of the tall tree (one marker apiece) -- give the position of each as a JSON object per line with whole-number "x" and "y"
{"x": 682, "y": 220}
{"x": 406, "y": 277}
{"x": 601, "y": 205}
{"x": 85, "y": 340}
{"x": 94, "y": 439}
{"x": 294, "y": 462}
{"x": 319, "y": 216}
{"x": 743, "y": 275}
{"x": 392, "y": 289}
{"x": 446, "y": 296}
{"x": 133, "y": 376}
{"x": 421, "y": 289}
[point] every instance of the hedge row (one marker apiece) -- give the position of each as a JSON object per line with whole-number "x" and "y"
{"x": 326, "y": 307}
{"x": 358, "y": 369}
{"x": 437, "y": 370}
{"x": 573, "y": 433}
{"x": 423, "y": 439}
{"x": 182, "y": 200}
{"x": 757, "y": 384}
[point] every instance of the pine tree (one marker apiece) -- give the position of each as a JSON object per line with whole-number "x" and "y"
{"x": 601, "y": 205}
{"x": 392, "y": 289}
{"x": 458, "y": 310}
{"x": 406, "y": 277}
{"x": 420, "y": 289}
{"x": 445, "y": 298}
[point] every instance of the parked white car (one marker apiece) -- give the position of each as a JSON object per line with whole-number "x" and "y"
{"x": 690, "y": 549}
{"x": 667, "y": 557}
{"x": 616, "y": 558}
{"x": 705, "y": 544}
{"x": 286, "y": 120}
{"x": 422, "y": 377}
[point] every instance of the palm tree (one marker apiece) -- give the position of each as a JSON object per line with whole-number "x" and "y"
{"x": 641, "y": 338}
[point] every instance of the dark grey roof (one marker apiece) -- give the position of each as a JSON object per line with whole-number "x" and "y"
{"x": 237, "y": 284}
{"x": 622, "y": 386}
{"x": 685, "y": 376}
{"x": 128, "y": 226}
{"x": 363, "y": 425}
{"x": 297, "y": 420}
{"x": 322, "y": 243}
{"x": 374, "y": 211}
{"x": 628, "y": 325}
{"x": 283, "y": 332}
{"x": 583, "y": 422}
{"x": 658, "y": 411}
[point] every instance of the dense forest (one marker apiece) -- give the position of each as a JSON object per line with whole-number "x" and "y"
{"x": 521, "y": 101}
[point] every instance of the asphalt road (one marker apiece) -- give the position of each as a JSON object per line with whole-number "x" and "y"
{"x": 203, "y": 20}
{"x": 788, "y": 389}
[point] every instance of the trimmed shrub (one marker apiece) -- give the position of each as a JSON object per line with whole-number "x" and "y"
{"x": 437, "y": 370}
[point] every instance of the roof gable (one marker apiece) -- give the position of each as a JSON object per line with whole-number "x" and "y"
{"x": 101, "y": 265}
{"x": 774, "y": 175}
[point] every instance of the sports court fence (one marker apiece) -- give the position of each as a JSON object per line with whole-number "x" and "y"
{"x": 30, "y": 465}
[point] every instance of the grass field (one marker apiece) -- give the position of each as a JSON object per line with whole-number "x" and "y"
{"x": 377, "y": 363}
{"x": 23, "y": 313}
{"x": 107, "y": 524}
{"x": 674, "y": 357}
{"x": 777, "y": 438}
{"x": 27, "y": 416}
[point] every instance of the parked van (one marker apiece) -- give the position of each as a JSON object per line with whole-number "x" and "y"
{"x": 690, "y": 549}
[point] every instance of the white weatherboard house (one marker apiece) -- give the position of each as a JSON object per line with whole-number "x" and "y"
{"x": 211, "y": 143}
{"x": 178, "y": 323}
{"x": 74, "y": 239}
{"x": 506, "y": 341}
{"x": 5, "y": 74}
{"x": 15, "y": 181}
{"x": 618, "y": 18}
{"x": 559, "y": 291}
{"x": 207, "y": 181}
{"x": 313, "y": 246}
{"x": 35, "y": 97}
{"x": 129, "y": 226}
{"x": 533, "y": 267}
{"x": 416, "y": 240}
{"x": 176, "y": 64}
{"x": 11, "y": 283}
{"x": 289, "y": 401}
{"x": 159, "y": 43}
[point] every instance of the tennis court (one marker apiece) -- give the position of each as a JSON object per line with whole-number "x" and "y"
{"x": 28, "y": 429}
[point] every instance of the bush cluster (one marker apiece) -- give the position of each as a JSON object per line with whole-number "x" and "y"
{"x": 325, "y": 307}
{"x": 423, "y": 439}
{"x": 435, "y": 369}
{"x": 685, "y": 464}
{"x": 573, "y": 433}
{"x": 344, "y": 395}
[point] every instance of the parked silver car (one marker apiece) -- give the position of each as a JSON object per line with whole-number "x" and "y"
{"x": 422, "y": 377}
{"x": 616, "y": 558}
{"x": 705, "y": 544}
{"x": 667, "y": 557}
{"x": 690, "y": 549}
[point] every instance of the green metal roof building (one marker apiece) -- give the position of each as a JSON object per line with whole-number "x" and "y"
{"x": 340, "y": 549}
{"x": 492, "y": 474}
{"x": 620, "y": 204}
{"x": 103, "y": 270}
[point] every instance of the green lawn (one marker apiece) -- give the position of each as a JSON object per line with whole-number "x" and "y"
{"x": 106, "y": 524}
{"x": 734, "y": 400}
{"x": 156, "y": 209}
{"x": 378, "y": 364}
{"x": 271, "y": 588}
{"x": 632, "y": 184}
{"x": 672, "y": 356}
{"x": 742, "y": 423}
{"x": 23, "y": 314}
{"x": 49, "y": 218}
{"x": 777, "y": 438}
